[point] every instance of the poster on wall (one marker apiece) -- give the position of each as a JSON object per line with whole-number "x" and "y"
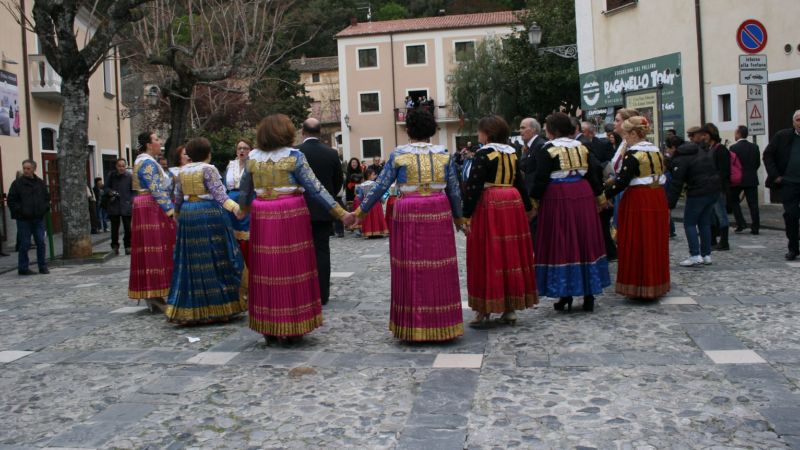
{"x": 9, "y": 104}
{"x": 646, "y": 102}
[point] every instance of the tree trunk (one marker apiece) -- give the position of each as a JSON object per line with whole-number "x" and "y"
{"x": 180, "y": 107}
{"x": 72, "y": 155}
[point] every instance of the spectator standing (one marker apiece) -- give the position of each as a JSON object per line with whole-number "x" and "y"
{"x": 29, "y": 201}
{"x": 722, "y": 161}
{"x": 782, "y": 161}
{"x": 376, "y": 165}
{"x": 120, "y": 204}
{"x": 94, "y": 223}
{"x": 102, "y": 203}
{"x": 750, "y": 158}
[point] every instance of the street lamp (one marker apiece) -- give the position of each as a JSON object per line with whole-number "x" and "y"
{"x": 347, "y": 120}
{"x": 151, "y": 99}
{"x": 535, "y": 38}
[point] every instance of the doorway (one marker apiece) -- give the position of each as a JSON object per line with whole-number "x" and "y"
{"x": 51, "y": 179}
{"x": 782, "y": 99}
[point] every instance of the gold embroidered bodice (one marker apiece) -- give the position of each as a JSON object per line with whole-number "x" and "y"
{"x": 571, "y": 158}
{"x": 650, "y": 163}
{"x": 423, "y": 168}
{"x": 270, "y": 174}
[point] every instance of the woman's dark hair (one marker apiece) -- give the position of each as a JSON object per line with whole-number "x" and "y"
{"x": 368, "y": 173}
{"x": 275, "y": 131}
{"x": 144, "y": 138}
{"x": 559, "y": 124}
{"x": 198, "y": 149}
{"x": 420, "y": 124}
{"x": 673, "y": 141}
{"x": 350, "y": 168}
{"x": 496, "y": 129}
{"x": 96, "y": 179}
{"x": 713, "y": 131}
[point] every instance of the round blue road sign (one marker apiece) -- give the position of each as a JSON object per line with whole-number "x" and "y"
{"x": 751, "y": 36}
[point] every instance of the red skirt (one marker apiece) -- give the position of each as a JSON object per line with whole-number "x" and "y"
{"x": 643, "y": 243}
{"x": 152, "y": 244}
{"x": 501, "y": 275}
{"x": 390, "y": 211}
{"x": 374, "y": 223}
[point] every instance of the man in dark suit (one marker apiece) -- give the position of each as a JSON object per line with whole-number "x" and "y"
{"x": 602, "y": 152}
{"x": 530, "y": 131}
{"x": 782, "y": 161}
{"x": 750, "y": 158}
{"x": 324, "y": 162}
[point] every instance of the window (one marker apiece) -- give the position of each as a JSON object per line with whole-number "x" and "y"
{"x": 367, "y": 58}
{"x": 611, "y": 5}
{"x": 48, "y": 139}
{"x": 725, "y": 107}
{"x": 415, "y": 54}
{"x": 108, "y": 76}
{"x": 465, "y": 51}
{"x": 315, "y": 77}
{"x": 371, "y": 148}
{"x": 370, "y": 102}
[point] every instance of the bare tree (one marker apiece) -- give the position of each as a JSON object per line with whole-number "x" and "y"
{"x": 223, "y": 44}
{"x": 75, "y": 55}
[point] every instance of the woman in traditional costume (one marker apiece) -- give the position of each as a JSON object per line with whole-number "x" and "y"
{"x": 152, "y": 227}
{"x": 425, "y": 296}
{"x": 501, "y": 277}
{"x": 284, "y": 298}
{"x": 374, "y": 224}
{"x": 643, "y": 233}
{"x": 570, "y": 249}
{"x": 208, "y": 263}
{"x": 616, "y": 161}
{"x": 233, "y": 179}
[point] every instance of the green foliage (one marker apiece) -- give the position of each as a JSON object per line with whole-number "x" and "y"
{"x": 513, "y": 80}
{"x": 391, "y": 11}
{"x": 280, "y": 91}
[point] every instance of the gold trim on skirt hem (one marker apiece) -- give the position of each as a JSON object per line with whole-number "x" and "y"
{"x": 285, "y": 328}
{"x": 426, "y": 334}
{"x": 148, "y": 294}
{"x": 205, "y": 313}
{"x": 633, "y": 291}
{"x": 501, "y": 305}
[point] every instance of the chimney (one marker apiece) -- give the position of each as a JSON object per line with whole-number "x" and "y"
{"x": 353, "y": 21}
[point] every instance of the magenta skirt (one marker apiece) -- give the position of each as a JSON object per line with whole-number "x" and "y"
{"x": 426, "y": 296}
{"x": 284, "y": 297}
{"x": 152, "y": 244}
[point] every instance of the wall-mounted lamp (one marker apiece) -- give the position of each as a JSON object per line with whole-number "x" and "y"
{"x": 347, "y": 120}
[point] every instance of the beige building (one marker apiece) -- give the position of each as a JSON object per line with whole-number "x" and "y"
{"x": 384, "y": 63}
{"x": 691, "y": 48}
{"x": 30, "y": 114}
{"x": 321, "y": 79}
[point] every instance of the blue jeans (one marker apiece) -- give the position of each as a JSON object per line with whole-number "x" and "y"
{"x": 721, "y": 210}
{"x": 26, "y": 228}
{"x": 102, "y": 218}
{"x": 697, "y": 214}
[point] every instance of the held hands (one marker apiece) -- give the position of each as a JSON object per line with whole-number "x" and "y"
{"x": 349, "y": 219}
{"x": 240, "y": 214}
{"x": 532, "y": 214}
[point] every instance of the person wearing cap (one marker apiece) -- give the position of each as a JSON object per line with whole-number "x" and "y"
{"x": 782, "y": 161}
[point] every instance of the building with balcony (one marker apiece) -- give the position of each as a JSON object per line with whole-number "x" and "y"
{"x": 31, "y": 107}
{"x": 691, "y": 49}
{"x": 321, "y": 79}
{"x": 382, "y": 64}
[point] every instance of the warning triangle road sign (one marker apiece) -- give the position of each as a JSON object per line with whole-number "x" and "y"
{"x": 755, "y": 113}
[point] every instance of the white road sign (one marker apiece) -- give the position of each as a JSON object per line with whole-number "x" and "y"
{"x": 755, "y": 117}
{"x": 755, "y": 92}
{"x": 758, "y": 76}
{"x": 752, "y": 62}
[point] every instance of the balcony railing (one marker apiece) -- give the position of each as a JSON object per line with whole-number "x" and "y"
{"x": 442, "y": 113}
{"x": 45, "y": 82}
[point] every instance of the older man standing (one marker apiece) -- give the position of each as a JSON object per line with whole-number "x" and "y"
{"x": 529, "y": 131}
{"x": 29, "y": 201}
{"x": 782, "y": 161}
{"x": 324, "y": 162}
{"x": 120, "y": 204}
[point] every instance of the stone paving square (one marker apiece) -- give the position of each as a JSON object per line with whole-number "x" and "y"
{"x": 8, "y": 356}
{"x": 341, "y": 274}
{"x": 372, "y": 256}
{"x": 129, "y": 310}
{"x": 677, "y": 301}
{"x": 212, "y": 358}
{"x": 751, "y": 246}
{"x": 793, "y": 264}
{"x": 457, "y": 361}
{"x": 735, "y": 357}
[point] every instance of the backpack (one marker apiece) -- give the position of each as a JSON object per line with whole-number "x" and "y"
{"x": 736, "y": 169}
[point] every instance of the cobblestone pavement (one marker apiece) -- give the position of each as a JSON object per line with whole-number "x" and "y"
{"x": 714, "y": 365}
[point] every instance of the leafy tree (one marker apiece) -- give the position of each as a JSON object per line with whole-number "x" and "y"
{"x": 391, "y": 11}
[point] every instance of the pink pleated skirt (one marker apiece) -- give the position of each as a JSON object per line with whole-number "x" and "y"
{"x": 152, "y": 244}
{"x": 284, "y": 298}
{"x": 426, "y": 296}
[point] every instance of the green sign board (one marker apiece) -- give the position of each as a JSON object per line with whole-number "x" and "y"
{"x": 603, "y": 89}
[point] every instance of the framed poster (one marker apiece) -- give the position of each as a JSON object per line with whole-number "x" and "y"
{"x": 9, "y": 104}
{"x": 647, "y": 102}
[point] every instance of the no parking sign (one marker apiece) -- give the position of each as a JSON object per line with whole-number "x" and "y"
{"x": 751, "y": 36}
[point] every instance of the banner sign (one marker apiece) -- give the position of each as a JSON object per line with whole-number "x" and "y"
{"x": 603, "y": 88}
{"x": 9, "y": 104}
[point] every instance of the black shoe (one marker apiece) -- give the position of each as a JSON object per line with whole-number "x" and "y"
{"x": 754, "y": 231}
{"x": 791, "y": 256}
{"x": 115, "y": 250}
{"x": 562, "y": 302}
{"x": 739, "y": 229}
{"x": 4, "y": 254}
{"x": 26, "y": 272}
{"x": 588, "y": 303}
{"x": 722, "y": 246}
{"x": 44, "y": 271}
{"x": 672, "y": 235}
{"x": 127, "y": 251}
